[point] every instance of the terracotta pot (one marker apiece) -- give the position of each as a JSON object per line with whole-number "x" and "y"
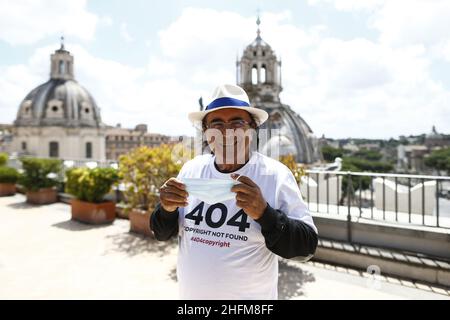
{"x": 7, "y": 189}
{"x": 120, "y": 212}
{"x": 94, "y": 213}
{"x": 140, "y": 222}
{"x": 42, "y": 196}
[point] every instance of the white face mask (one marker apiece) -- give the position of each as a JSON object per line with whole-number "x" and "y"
{"x": 210, "y": 191}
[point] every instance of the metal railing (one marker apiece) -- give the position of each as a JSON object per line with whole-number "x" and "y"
{"x": 397, "y": 198}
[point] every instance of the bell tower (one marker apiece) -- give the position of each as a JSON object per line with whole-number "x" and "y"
{"x": 258, "y": 71}
{"x": 61, "y": 64}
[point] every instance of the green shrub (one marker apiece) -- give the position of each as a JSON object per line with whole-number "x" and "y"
{"x": 8, "y": 175}
{"x": 329, "y": 153}
{"x": 3, "y": 159}
{"x": 143, "y": 171}
{"x": 370, "y": 155}
{"x": 90, "y": 185}
{"x": 37, "y": 173}
{"x": 439, "y": 159}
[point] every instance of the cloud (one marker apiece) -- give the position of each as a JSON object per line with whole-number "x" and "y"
{"x": 442, "y": 51}
{"x": 388, "y": 80}
{"x": 14, "y": 80}
{"x": 350, "y": 5}
{"x": 413, "y": 22}
{"x": 401, "y": 23}
{"x": 202, "y": 45}
{"x": 362, "y": 88}
{"x": 124, "y": 33}
{"x": 28, "y": 21}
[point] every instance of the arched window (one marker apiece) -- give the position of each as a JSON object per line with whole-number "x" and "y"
{"x": 254, "y": 75}
{"x": 54, "y": 149}
{"x": 88, "y": 150}
{"x": 263, "y": 74}
{"x": 62, "y": 67}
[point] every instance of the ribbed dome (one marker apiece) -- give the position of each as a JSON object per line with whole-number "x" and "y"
{"x": 294, "y": 136}
{"x": 59, "y": 102}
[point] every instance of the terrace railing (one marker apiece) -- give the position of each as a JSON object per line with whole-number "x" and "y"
{"x": 396, "y": 198}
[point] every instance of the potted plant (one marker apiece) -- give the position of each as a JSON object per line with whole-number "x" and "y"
{"x": 8, "y": 179}
{"x": 40, "y": 178}
{"x": 89, "y": 186}
{"x": 142, "y": 172}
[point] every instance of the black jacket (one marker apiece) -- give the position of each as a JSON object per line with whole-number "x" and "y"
{"x": 285, "y": 237}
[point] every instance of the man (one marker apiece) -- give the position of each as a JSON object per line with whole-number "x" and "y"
{"x": 229, "y": 249}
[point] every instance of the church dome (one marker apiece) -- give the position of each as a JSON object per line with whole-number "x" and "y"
{"x": 61, "y": 101}
{"x": 291, "y": 132}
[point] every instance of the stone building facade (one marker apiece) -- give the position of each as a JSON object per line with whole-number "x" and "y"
{"x": 121, "y": 140}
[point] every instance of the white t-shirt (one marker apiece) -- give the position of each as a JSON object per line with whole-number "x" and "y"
{"x": 224, "y": 256}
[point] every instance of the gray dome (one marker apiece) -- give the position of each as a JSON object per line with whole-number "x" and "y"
{"x": 293, "y": 135}
{"x": 59, "y": 102}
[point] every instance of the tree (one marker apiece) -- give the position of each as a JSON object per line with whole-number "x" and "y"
{"x": 368, "y": 165}
{"x": 366, "y": 154}
{"x": 330, "y": 153}
{"x": 439, "y": 159}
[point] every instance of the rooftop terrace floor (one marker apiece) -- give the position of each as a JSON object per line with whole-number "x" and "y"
{"x": 45, "y": 255}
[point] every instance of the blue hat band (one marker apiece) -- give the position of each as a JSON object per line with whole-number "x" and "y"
{"x": 225, "y": 101}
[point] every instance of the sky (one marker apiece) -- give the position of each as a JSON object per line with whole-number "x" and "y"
{"x": 350, "y": 68}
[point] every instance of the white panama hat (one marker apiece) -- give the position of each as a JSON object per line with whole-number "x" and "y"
{"x": 229, "y": 96}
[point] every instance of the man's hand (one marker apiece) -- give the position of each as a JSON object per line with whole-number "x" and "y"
{"x": 249, "y": 197}
{"x": 173, "y": 194}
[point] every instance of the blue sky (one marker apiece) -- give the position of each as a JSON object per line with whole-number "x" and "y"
{"x": 351, "y": 68}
